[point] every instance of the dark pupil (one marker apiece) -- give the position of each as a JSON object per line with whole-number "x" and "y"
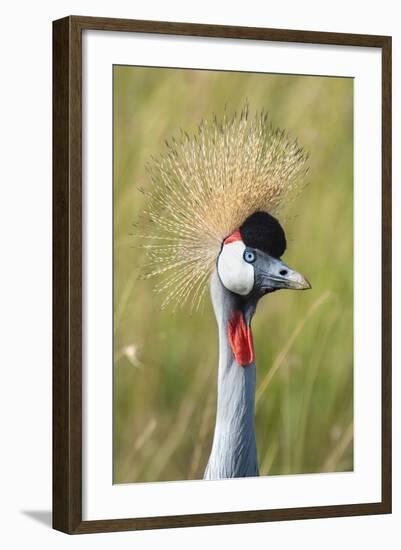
{"x": 249, "y": 256}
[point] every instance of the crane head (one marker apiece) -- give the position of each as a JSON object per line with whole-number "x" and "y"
{"x": 215, "y": 187}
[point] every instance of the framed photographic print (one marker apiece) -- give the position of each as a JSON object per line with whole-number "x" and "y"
{"x": 202, "y": 174}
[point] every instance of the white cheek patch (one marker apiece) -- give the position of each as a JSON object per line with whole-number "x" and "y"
{"x": 235, "y": 273}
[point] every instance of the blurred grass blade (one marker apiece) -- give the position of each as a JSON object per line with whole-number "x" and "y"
{"x": 284, "y": 352}
{"x": 337, "y": 453}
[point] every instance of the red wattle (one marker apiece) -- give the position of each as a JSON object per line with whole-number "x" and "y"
{"x": 240, "y": 338}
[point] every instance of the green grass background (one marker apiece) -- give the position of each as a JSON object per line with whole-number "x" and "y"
{"x": 165, "y": 363}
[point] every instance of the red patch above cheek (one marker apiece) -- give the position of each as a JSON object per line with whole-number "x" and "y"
{"x": 236, "y": 236}
{"x": 240, "y": 338}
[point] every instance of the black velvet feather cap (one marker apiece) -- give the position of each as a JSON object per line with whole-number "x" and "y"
{"x": 264, "y": 232}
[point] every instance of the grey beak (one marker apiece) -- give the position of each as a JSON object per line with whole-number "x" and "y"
{"x": 295, "y": 281}
{"x": 281, "y": 275}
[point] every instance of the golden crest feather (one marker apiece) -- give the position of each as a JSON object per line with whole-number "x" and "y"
{"x": 204, "y": 187}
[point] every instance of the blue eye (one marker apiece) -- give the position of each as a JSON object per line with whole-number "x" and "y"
{"x": 249, "y": 256}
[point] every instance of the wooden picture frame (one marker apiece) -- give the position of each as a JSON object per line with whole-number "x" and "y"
{"x": 67, "y": 273}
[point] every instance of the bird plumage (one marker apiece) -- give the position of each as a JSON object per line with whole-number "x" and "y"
{"x": 211, "y": 208}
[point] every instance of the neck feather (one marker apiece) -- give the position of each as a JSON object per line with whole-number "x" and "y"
{"x": 234, "y": 445}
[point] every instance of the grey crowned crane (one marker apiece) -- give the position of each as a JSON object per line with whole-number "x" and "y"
{"x": 212, "y": 208}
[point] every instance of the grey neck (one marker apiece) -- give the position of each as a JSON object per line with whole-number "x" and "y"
{"x": 234, "y": 445}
